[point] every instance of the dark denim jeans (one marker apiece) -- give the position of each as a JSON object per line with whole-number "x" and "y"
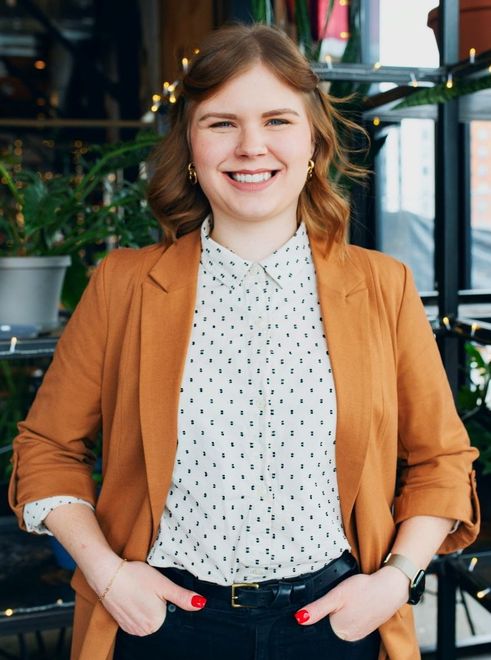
{"x": 219, "y": 632}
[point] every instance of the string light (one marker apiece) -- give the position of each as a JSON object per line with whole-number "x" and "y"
{"x": 414, "y": 82}
{"x": 472, "y": 564}
{"x": 344, "y": 35}
{"x": 377, "y": 66}
{"x": 59, "y": 604}
{"x": 169, "y": 90}
{"x": 13, "y": 344}
{"x": 449, "y": 83}
{"x": 472, "y": 55}
{"x": 328, "y": 60}
{"x": 446, "y": 323}
{"x": 40, "y": 65}
{"x": 376, "y": 121}
{"x": 483, "y": 593}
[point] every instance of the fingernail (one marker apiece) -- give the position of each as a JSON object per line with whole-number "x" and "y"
{"x": 198, "y": 601}
{"x": 302, "y": 616}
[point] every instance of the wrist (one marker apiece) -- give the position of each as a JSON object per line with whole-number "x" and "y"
{"x": 100, "y": 572}
{"x": 395, "y": 583}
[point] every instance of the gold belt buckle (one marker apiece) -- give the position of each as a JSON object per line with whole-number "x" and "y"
{"x": 250, "y": 585}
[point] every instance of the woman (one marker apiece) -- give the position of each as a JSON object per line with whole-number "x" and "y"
{"x": 257, "y": 381}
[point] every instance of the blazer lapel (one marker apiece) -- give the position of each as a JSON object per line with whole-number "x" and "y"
{"x": 343, "y": 296}
{"x": 168, "y": 301}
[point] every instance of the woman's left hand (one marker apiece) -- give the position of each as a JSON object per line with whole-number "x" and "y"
{"x": 361, "y": 603}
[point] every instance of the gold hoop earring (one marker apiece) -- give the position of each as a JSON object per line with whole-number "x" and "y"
{"x": 192, "y": 176}
{"x": 310, "y": 170}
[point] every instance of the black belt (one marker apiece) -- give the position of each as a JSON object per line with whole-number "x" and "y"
{"x": 271, "y": 593}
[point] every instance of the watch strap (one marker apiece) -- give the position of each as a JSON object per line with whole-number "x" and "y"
{"x": 403, "y": 564}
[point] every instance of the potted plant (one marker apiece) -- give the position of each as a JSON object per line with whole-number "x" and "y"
{"x": 475, "y": 26}
{"x": 46, "y": 222}
{"x": 475, "y": 412}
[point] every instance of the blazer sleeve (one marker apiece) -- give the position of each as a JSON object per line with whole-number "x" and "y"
{"x": 53, "y": 452}
{"x": 434, "y": 449}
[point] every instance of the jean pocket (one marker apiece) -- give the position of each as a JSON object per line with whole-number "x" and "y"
{"x": 337, "y": 637}
{"x": 159, "y": 629}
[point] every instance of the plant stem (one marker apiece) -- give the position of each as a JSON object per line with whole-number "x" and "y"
{"x": 89, "y": 180}
{"x": 9, "y": 182}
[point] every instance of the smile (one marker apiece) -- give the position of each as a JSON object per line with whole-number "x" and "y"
{"x": 260, "y": 177}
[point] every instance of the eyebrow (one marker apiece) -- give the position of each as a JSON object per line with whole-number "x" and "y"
{"x": 269, "y": 113}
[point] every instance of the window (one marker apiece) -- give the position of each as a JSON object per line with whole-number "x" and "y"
{"x": 405, "y": 174}
{"x": 480, "y": 204}
{"x": 405, "y": 39}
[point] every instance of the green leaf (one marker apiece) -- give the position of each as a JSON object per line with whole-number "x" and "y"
{"x": 261, "y": 11}
{"x": 441, "y": 93}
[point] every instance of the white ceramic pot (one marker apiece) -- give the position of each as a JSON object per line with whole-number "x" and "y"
{"x": 30, "y": 290}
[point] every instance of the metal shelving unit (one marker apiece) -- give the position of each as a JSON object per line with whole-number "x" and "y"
{"x": 14, "y": 348}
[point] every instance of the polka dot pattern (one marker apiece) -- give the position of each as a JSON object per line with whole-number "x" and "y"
{"x": 254, "y": 492}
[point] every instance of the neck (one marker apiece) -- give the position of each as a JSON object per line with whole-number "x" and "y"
{"x": 253, "y": 240}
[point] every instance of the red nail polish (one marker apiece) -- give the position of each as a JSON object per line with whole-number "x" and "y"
{"x": 302, "y": 616}
{"x": 198, "y": 601}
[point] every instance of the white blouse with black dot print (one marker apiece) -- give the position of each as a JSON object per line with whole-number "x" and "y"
{"x": 254, "y": 494}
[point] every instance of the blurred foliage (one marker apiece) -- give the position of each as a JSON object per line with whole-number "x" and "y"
{"x": 18, "y": 384}
{"x": 472, "y": 403}
{"x": 63, "y": 214}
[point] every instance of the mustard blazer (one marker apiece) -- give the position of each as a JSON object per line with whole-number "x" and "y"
{"x": 121, "y": 359}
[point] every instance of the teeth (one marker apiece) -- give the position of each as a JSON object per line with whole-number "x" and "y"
{"x": 251, "y": 178}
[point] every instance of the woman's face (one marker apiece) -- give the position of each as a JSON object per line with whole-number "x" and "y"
{"x": 251, "y": 143}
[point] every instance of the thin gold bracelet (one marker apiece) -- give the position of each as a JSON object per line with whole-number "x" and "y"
{"x": 110, "y": 584}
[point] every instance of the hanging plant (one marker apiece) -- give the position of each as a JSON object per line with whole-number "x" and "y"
{"x": 443, "y": 93}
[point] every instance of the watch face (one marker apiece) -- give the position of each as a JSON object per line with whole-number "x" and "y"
{"x": 417, "y": 588}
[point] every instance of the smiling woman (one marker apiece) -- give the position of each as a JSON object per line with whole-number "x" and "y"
{"x": 250, "y": 105}
{"x": 258, "y": 382}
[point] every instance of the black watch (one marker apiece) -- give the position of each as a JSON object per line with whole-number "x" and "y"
{"x": 416, "y": 577}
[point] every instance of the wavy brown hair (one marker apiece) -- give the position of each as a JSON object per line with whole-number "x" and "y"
{"x": 227, "y": 52}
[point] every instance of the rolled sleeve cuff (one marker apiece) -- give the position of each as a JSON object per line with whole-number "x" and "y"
{"x": 36, "y": 512}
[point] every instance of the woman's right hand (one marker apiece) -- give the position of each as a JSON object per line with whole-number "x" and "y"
{"x": 138, "y": 597}
{"x": 138, "y": 593}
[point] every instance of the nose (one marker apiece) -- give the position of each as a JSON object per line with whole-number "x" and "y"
{"x": 250, "y": 142}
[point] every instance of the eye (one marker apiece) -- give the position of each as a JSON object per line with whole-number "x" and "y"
{"x": 276, "y": 121}
{"x": 221, "y": 124}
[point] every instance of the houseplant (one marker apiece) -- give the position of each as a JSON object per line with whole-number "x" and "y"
{"x": 475, "y": 412}
{"x": 53, "y": 220}
{"x": 475, "y": 26}
{"x": 63, "y": 216}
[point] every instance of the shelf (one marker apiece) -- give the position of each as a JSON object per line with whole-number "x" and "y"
{"x": 476, "y": 106}
{"x": 27, "y": 348}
